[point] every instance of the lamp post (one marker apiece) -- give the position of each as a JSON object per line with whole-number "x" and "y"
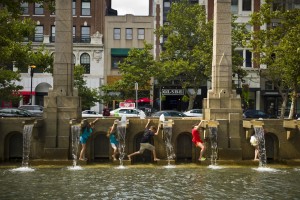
{"x": 136, "y": 87}
{"x": 32, "y": 67}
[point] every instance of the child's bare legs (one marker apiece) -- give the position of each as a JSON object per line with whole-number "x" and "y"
{"x": 202, "y": 147}
{"x": 133, "y": 154}
{"x": 115, "y": 154}
{"x": 154, "y": 155}
{"x": 256, "y": 153}
{"x": 82, "y": 152}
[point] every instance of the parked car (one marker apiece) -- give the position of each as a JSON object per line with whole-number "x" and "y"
{"x": 128, "y": 112}
{"x": 256, "y": 114}
{"x": 15, "y": 112}
{"x": 90, "y": 113}
{"x": 36, "y": 110}
{"x": 168, "y": 113}
{"x": 194, "y": 113}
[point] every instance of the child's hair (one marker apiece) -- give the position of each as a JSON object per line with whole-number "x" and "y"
{"x": 85, "y": 124}
{"x": 194, "y": 125}
{"x": 153, "y": 128}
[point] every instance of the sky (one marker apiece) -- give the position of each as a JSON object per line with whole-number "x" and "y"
{"x": 135, "y": 7}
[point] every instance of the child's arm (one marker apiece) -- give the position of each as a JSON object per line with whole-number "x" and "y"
{"x": 157, "y": 132}
{"x": 147, "y": 123}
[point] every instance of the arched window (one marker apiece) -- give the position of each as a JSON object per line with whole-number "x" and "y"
{"x": 85, "y": 62}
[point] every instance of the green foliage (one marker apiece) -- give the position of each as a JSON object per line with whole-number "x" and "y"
{"x": 138, "y": 67}
{"x": 278, "y": 47}
{"x": 89, "y": 97}
{"x": 8, "y": 87}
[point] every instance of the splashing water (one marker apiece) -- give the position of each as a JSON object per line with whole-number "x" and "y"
{"x": 167, "y": 137}
{"x": 27, "y": 132}
{"x": 121, "y": 132}
{"x": 75, "y": 130}
{"x": 214, "y": 144}
{"x": 259, "y": 134}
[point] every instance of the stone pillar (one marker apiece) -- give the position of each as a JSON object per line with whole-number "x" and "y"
{"x": 62, "y": 102}
{"x": 222, "y": 102}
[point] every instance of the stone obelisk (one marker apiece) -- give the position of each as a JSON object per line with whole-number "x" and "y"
{"x": 222, "y": 102}
{"x": 62, "y": 102}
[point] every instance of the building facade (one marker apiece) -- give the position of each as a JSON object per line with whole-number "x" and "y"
{"x": 88, "y": 47}
{"x": 121, "y": 34}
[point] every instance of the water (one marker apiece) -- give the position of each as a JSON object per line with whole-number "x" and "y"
{"x": 213, "y": 136}
{"x": 167, "y": 137}
{"x": 27, "y": 132}
{"x": 121, "y": 133}
{"x": 259, "y": 134}
{"x": 151, "y": 182}
{"x": 75, "y": 130}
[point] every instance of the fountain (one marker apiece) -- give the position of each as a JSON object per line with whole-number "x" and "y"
{"x": 167, "y": 138}
{"x": 121, "y": 133}
{"x": 27, "y": 132}
{"x": 75, "y": 131}
{"x": 260, "y": 135}
{"x": 213, "y": 136}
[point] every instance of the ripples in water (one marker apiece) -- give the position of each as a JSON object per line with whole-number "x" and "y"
{"x": 151, "y": 183}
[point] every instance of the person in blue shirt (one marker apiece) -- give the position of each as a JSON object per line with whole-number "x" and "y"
{"x": 113, "y": 140}
{"x": 86, "y": 132}
{"x": 145, "y": 141}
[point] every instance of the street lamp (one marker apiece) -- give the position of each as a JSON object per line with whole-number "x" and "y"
{"x": 32, "y": 67}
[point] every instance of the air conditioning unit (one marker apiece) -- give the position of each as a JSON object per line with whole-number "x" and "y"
{"x": 274, "y": 24}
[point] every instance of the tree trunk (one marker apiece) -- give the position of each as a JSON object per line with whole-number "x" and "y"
{"x": 283, "y": 105}
{"x": 192, "y": 98}
{"x": 293, "y": 104}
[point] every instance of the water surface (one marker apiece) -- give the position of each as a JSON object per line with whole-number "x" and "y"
{"x": 151, "y": 182}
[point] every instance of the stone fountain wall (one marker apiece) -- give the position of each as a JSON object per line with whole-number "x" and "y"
{"x": 282, "y": 145}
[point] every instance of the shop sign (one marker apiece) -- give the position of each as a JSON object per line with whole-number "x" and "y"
{"x": 172, "y": 91}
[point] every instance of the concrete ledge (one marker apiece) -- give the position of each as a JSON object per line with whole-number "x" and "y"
{"x": 165, "y": 162}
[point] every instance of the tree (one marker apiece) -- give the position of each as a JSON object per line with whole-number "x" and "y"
{"x": 13, "y": 52}
{"x": 278, "y": 47}
{"x": 8, "y": 88}
{"x": 139, "y": 67}
{"x": 187, "y": 48}
{"x": 89, "y": 97}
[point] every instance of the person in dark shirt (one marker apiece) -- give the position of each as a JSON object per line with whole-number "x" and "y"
{"x": 106, "y": 112}
{"x": 145, "y": 142}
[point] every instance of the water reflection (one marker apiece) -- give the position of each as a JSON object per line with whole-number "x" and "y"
{"x": 134, "y": 182}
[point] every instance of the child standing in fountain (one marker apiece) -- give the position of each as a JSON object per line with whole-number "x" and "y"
{"x": 145, "y": 142}
{"x": 113, "y": 140}
{"x": 197, "y": 139}
{"x": 86, "y": 131}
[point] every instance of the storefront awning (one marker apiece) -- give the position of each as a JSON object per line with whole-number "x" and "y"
{"x": 119, "y": 51}
{"x": 26, "y": 93}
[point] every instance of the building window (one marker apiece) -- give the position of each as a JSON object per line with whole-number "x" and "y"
{"x": 115, "y": 60}
{"x": 247, "y": 5}
{"x": 248, "y": 58}
{"x": 85, "y": 62}
{"x": 74, "y": 33}
{"x": 38, "y": 9}
{"x": 52, "y": 38}
{"x": 167, "y": 4}
{"x": 74, "y": 7}
{"x": 117, "y": 33}
{"x": 39, "y": 34}
{"x": 86, "y": 7}
{"x": 297, "y": 4}
{"x": 141, "y": 34}
{"x": 74, "y": 59}
{"x": 234, "y": 6}
{"x": 128, "y": 33}
{"x": 25, "y": 9}
{"x": 85, "y": 34}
